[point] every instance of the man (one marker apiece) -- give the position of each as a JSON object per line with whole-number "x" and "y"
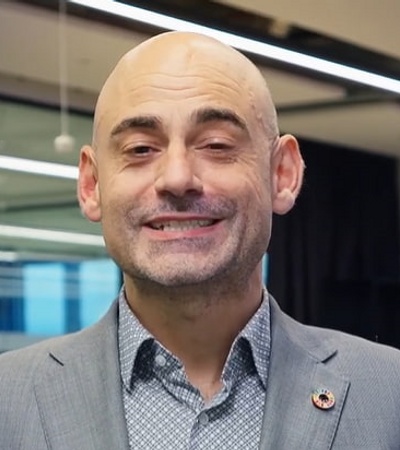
{"x": 185, "y": 170}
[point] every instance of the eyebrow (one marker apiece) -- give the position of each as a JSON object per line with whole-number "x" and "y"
{"x": 200, "y": 116}
{"x": 219, "y": 114}
{"x": 148, "y": 122}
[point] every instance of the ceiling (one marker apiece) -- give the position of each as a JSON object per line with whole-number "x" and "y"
{"x": 29, "y": 70}
{"x": 367, "y": 23}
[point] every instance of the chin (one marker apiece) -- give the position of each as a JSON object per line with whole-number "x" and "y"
{"x": 175, "y": 277}
{"x": 178, "y": 279}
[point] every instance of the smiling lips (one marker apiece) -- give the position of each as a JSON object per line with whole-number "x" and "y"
{"x": 181, "y": 225}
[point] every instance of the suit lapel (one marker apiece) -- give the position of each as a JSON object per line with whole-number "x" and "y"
{"x": 79, "y": 391}
{"x": 297, "y": 368}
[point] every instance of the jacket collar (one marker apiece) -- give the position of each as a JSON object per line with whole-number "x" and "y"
{"x": 299, "y": 365}
{"x": 79, "y": 390}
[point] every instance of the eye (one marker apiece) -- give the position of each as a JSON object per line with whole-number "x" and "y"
{"x": 215, "y": 145}
{"x": 142, "y": 150}
{"x": 218, "y": 146}
{"x": 138, "y": 153}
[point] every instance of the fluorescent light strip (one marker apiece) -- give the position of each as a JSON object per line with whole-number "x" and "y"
{"x": 51, "y": 236}
{"x": 7, "y": 257}
{"x": 38, "y": 167}
{"x": 245, "y": 44}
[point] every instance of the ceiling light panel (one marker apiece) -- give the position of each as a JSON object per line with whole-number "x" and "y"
{"x": 247, "y": 45}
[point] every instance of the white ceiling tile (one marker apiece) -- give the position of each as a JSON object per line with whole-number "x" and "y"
{"x": 369, "y": 23}
{"x": 373, "y": 127}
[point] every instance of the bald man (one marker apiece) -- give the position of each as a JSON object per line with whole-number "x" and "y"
{"x": 184, "y": 172}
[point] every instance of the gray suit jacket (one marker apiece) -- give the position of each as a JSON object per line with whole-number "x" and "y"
{"x": 65, "y": 393}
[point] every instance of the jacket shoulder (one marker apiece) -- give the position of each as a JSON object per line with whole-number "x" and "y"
{"x": 22, "y": 373}
{"x": 349, "y": 354}
{"x": 28, "y": 359}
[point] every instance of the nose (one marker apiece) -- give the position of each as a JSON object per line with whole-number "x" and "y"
{"x": 176, "y": 174}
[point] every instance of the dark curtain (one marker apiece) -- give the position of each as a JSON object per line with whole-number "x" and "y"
{"x": 334, "y": 260}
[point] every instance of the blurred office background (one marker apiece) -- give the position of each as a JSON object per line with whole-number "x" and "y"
{"x": 333, "y": 261}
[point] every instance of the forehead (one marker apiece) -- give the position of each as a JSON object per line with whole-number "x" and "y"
{"x": 174, "y": 82}
{"x": 179, "y": 94}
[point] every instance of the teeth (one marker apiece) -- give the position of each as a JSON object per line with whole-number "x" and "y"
{"x": 179, "y": 225}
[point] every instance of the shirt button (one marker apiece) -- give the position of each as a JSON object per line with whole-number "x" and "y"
{"x": 203, "y": 418}
{"x": 160, "y": 360}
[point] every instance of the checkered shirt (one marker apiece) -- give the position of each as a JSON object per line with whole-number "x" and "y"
{"x": 164, "y": 411}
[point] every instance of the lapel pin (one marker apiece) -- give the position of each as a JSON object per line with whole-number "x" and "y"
{"x": 323, "y": 399}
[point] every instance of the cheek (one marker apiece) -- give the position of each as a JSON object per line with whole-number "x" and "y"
{"x": 250, "y": 190}
{"x": 253, "y": 182}
{"x": 258, "y": 195}
{"x": 124, "y": 187}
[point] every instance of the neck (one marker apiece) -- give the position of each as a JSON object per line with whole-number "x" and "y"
{"x": 198, "y": 324}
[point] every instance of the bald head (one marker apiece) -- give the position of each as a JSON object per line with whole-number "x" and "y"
{"x": 172, "y": 56}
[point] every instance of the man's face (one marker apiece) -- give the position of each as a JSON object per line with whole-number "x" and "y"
{"x": 183, "y": 176}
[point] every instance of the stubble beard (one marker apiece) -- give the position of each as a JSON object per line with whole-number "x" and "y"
{"x": 222, "y": 269}
{"x": 225, "y": 271}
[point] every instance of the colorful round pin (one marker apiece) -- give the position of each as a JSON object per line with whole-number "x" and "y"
{"x": 323, "y": 398}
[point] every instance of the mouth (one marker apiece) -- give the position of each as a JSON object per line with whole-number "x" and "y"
{"x": 181, "y": 225}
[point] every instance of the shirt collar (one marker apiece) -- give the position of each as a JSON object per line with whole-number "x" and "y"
{"x": 132, "y": 335}
{"x": 257, "y": 332}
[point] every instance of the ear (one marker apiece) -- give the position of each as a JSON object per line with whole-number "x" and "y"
{"x": 287, "y": 174}
{"x": 88, "y": 190}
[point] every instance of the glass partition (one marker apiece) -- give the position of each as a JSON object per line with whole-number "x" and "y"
{"x": 55, "y": 274}
{"x": 39, "y": 299}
